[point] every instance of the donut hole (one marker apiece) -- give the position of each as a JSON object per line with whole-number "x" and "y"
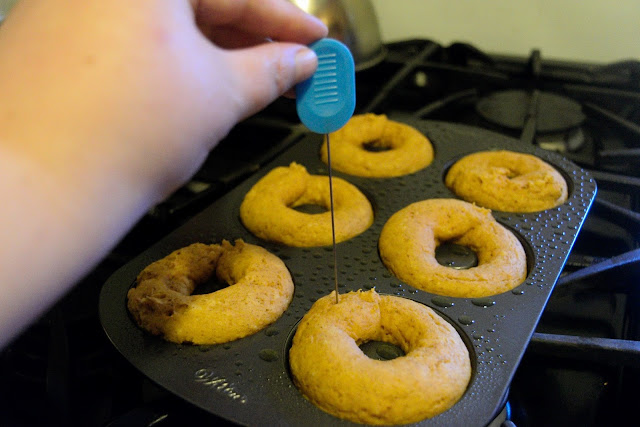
{"x": 381, "y": 350}
{"x": 376, "y": 146}
{"x": 311, "y": 202}
{"x": 310, "y": 208}
{"x": 211, "y": 285}
{"x": 456, "y": 256}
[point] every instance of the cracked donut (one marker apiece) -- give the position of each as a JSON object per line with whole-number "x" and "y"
{"x": 395, "y": 148}
{"x": 409, "y": 239}
{"x": 268, "y": 209}
{"x": 507, "y": 181}
{"x": 331, "y": 370}
{"x": 260, "y": 290}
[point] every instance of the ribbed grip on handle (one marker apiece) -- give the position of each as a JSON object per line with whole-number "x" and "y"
{"x": 325, "y": 102}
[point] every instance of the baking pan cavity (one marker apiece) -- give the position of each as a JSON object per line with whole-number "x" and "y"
{"x": 247, "y": 381}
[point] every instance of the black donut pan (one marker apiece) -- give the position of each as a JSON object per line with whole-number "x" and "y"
{"x": 247, "y": 381}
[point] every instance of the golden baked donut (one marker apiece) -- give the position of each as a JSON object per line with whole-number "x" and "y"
{"x": 507, "y": 181}
{"x": 409, "y": 239}
{"x": 332, "y": 372}
{"x": 408, "y": 149}
{"x": 260, "y": 290}
{"x": 268, "y": 208}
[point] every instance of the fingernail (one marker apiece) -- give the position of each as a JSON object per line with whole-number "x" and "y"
{"x": 306, "y": 63}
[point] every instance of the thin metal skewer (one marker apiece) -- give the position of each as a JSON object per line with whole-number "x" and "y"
{"x": 333, "y": 224}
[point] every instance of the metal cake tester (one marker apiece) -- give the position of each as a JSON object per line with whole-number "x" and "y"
{"x": 325, "y": 102}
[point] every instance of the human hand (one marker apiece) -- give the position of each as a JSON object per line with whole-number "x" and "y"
{"x": 108, "y": 107}
{"x": 142, "y": 76}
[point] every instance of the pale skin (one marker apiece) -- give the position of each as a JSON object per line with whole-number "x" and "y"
{"x": 107, "y": 108}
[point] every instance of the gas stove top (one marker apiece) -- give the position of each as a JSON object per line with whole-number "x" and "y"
{"x": 583, "y": 362}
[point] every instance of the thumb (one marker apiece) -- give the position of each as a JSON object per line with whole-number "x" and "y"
{"x": 263, "y": 73}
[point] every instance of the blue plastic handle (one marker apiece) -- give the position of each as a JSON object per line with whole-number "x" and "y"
{"x": 325, "y": 102}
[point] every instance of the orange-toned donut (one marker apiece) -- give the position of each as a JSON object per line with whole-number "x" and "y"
{"x": 406, "y": 149}
{"x": 507, "y": 181}
{"x": 260, "y": 290}
{"x": 409, "y": 239}
{"x": 268, "y": 208}
{"x": 332, "y": 371}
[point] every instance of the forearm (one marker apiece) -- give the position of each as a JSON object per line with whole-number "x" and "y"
{"x": 79, "y": 153}
{"x": 88, "y": 142}
{"x": 54, "y": 229}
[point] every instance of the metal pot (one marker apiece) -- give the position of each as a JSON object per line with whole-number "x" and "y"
{"x": 354, "y": 23}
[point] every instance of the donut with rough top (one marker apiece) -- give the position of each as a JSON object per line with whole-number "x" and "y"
{"x": 332, "y": 371}
{"x": 260, "y": 290}
{"x": 507, "y": 181}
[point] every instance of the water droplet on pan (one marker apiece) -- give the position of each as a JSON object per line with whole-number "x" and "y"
{"x": 465, "y": 320}
{"x": 483, "y": 302}
{"x": 268, "y": 355}
{"x": 442, "y": 301}
{"x": 270, "y": 332}
{"x": 380, "y": 350}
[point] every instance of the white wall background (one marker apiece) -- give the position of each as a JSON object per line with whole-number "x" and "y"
{"x": 587, "y": 30}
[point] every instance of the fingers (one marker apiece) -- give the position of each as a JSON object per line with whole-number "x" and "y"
{"x": 230, "y": 38}
{"x": 264, "y": 72}
{"x": 256, "y": 19}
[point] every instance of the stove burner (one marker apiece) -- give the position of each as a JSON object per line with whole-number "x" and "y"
{"x": 510, "y": 109}
{"x": 563, "y": 142}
